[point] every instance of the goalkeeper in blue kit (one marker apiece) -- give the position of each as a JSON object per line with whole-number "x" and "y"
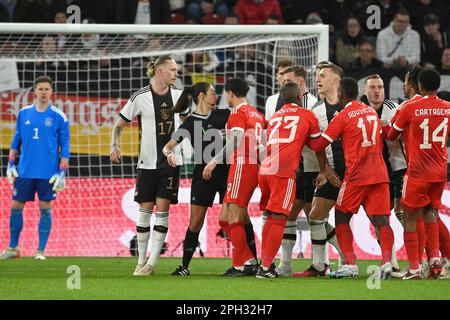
{"x": 42, "y": 136}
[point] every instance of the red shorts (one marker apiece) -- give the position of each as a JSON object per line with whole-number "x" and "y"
{"x": 277, "y": 193}
{"x": 242, "y": 182}
{"x": 374, "y": 198}
{"x": 418, "y": 194}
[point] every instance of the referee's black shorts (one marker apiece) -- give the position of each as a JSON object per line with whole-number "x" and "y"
{"x": 203, "y": 191}
{"x": 305, "y": 186}
{"x": 396, "y": 184}
{"x": 328, "y": 191}
{"x": 157, "y": 183}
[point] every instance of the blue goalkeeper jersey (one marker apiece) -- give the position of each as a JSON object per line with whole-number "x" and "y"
{"x": 43, "y": 137}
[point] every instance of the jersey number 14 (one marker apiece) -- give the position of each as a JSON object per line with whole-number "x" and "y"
{"x": 435, "y": 137}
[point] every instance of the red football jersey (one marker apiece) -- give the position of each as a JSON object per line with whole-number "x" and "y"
{"x": 287, "y": 132}
{"x": 424, "y": 123}
{"x": 359, "y": 127}
{"x": 246, "y": 118}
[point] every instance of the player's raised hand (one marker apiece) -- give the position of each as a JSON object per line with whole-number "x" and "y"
{"x": 333, "y": 177}
{"x": 172, "y": 159}
{"x": 320, "y": 180}
{"x": 11, "y": 172}
{"x": 58, "y": 180}
{"x": 115, "y": 155}
{"x": 207, "y": 171}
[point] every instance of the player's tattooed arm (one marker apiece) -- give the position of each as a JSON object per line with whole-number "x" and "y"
{"x": 116, "y": 133}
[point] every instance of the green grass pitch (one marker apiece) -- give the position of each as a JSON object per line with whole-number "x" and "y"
{"x": 110, "y": 278}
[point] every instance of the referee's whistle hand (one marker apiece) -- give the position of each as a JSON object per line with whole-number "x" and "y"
{"x": 172, "y": 160}
{"x": 207, "y": 171}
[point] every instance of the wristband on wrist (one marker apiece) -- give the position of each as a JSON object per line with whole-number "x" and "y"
{"x": 63, "y": 168}
{"x": 166, "y": 152}
{"x": 12, "y": 159}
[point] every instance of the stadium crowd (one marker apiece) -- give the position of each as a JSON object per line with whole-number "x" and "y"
{"x": 410, "y": 32}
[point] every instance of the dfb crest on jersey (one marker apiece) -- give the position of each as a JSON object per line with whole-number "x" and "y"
{"x": 48, "y": 122}
{"x": 165, "y": 114}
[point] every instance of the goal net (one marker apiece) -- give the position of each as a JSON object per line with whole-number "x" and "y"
{"x": 95, "y": 69}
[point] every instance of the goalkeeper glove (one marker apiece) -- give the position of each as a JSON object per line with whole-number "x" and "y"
{"x": 59, "y": 180}
{"x": 11, "y": 171}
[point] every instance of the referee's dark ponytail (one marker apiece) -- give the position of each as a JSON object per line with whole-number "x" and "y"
{"x": 190, "y": 94}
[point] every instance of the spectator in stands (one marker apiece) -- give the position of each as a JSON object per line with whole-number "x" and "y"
{"x": 398, "y": 45}
{"x": 295, "y": 12}
{"x": 366, "y": 58}
{"x": 388, "y": 9}
{"x": 14, "y": 10}
{"x": 143, "y": 11}
{"x": 177, "y": 6}
{"x": 273, "y": 19}
{"x": 231, "y": 18}
{"x": 196, "y": 9}
{"x": 49, "y": 49}
{"x": 344, "y": 48}
{"x": 91, "y": 44}
{"x": 338, "y": 12}
{"x": 247, "y": 65}
{"x": 421, "y": 8}
{"x": 63, "y": 41}
{"x": 313, "y": 18}
{"x": 60, "y": 17}
{"x": 445, "y": 62}
{"x": 101, "y": 11}
{"x": 433, "y": 42}
{"x": 257, "y": 11}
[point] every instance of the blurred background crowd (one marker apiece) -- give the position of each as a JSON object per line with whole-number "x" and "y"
{"x": 423, "y": 25}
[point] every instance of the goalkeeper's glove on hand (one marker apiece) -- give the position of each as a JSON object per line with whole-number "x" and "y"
{"x": 59, "y": 180}
{"x": 11, "y": 171}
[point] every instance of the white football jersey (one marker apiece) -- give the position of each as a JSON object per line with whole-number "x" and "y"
{"x": 397, "y": 157}
{"x": 156, "y": 125}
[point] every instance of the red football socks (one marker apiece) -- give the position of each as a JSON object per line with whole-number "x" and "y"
{"x": 272, "y": 238}
{"x": 422, "y": 236}
{"x": 345, "y": 239}
{"x": 241, "y": 251}
{"x": 444, "y": 238}
{"x": 225, "y": 227}
{"x": 386, "y": 243}
{"x": 411, "y": 245}
{"x": 432, "y": 230}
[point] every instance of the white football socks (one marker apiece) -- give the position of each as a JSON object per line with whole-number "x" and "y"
{"x": 143, "y": 233}
{"x": 288, "y": 243}
{"x": 159, "y": 236}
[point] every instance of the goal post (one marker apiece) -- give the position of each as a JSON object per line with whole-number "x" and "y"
{"x": 319, "y": 30}
{"x": 95, "y": 69}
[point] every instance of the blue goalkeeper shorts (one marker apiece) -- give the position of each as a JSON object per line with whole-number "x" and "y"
{"x": 25, "y": 189}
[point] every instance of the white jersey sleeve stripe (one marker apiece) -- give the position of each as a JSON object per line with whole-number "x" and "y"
{"x": 327, "y": 137}
{"x": 398, "y": 128}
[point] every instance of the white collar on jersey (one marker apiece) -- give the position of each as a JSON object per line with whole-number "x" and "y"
{"x": 201, "y": 116}
{"x": 349, "y": 104}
